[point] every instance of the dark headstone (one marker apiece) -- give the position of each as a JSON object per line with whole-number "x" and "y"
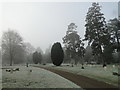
{"x": 115, "y": 73}
{"x": 8, "y": 70}
{"x": 30, "y": 70}
{"x": 82, "y": 67}
{"x": 44, "y": 64}
{"x": 26, "y": 64}
{"x": 17, "y": 69}
{"x": 104, "y": 65}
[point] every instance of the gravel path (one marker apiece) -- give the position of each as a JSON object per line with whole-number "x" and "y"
{"x": 80, "y": 80}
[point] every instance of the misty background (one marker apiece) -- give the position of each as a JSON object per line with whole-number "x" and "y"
{"x": 43, "y": 23}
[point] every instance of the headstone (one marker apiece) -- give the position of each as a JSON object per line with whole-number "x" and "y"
{"x": 82, "y": 67}
{"x": 105, "y": 68}
{"x": 30, "y": 70}
{"x": 104, "y": 65}
{"x": 17, "y": 69}
{"x": 113, "y": 66}
{"x": 26, "y": 64}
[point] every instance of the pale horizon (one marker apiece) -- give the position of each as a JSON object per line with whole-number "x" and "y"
{"x": 44, "y": 23}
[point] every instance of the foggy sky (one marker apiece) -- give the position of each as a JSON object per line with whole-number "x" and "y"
{"x": 44, "y": 23}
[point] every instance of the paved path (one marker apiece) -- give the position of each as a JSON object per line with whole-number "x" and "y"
{"x": 80, "y": 80}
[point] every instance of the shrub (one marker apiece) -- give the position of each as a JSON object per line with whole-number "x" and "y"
{"x": 57, "y": 54}
{"x": 35, "y": 57}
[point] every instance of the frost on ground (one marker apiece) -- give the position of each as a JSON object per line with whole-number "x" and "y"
{"x": 92, "y": 71}
{"x": 38, "y": 78}
{"x": 0, "y": 78}
{"x": 0, "y": 71}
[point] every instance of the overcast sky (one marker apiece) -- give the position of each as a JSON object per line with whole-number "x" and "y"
{"x": 44, "y": 23}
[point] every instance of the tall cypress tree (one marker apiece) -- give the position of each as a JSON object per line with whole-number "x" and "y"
{"x": 57, "y": 54}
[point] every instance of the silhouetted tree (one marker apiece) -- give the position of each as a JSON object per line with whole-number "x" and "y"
{"x": 0, "y": 56}
{"x": 37, "y": 57}
{"x": 96, "y": 31}
{"x": 114, "y": 30}
{"x": 47, "y": 55}
{"x": 73, "y": 43}
{"x": 40, "y": 55}
{"x": 88, "y": 54}
{"x": 107, "y": 54}
{"x": 57, "y": 54}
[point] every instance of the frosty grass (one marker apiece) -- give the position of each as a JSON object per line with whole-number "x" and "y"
{"x": 38, "y": 78}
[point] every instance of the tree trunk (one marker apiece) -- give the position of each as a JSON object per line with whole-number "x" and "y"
{"x": 118, "y": 43}
{"x": 11, "y": 58}
{"x": 10, "y": 61}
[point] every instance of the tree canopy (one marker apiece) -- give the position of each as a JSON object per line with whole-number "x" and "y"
{"x": 73, "y": 43}
{"x": 114, "y": 30}
{"x": 96, "y": 30}
{"x": 37, "y": 57}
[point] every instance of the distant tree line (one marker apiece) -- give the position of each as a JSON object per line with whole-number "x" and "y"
{"x": 103, "y": 44}
{"x": 16, "y": 51}
{"x": 37, "y": 57}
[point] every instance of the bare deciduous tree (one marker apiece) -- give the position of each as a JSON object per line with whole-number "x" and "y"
{"x": 11, "y": 43}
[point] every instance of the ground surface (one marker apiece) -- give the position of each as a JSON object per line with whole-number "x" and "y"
{"x": 0, "y": 78}
{"x": 86, "y": 82}
{"x": 38, "y": 78}
{"x": 80, "y": 80}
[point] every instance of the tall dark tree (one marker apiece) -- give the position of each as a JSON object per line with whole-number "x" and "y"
{"x": 73, "y": 43}
{"x": 35, "y": 57}
{"x": 0, "y": 56}
{"x": 88, "y": 54}
{"x": 57, "y": 54}
{"x": 39, "y": 57}
{"x": 114, "y": 30}
{"x": 96, "y": 31}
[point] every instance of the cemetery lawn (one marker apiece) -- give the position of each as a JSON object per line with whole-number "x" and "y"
{"x": 0, "y": 77}
{"x": 92, "y": 71}
{"x": 37, "y": 78}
